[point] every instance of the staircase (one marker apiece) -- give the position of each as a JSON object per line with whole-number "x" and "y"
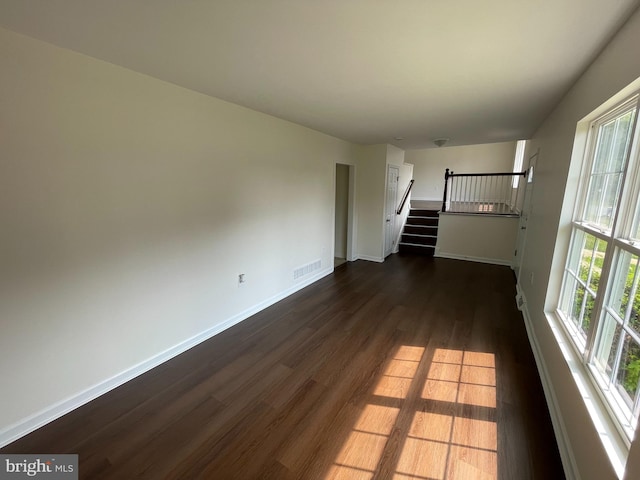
{"x": 420, "y": 232}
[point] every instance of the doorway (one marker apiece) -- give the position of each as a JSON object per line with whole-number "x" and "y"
{"x": 343, "y": 228}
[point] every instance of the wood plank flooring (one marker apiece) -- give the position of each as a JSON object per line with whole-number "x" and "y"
{"x": 417, "y": 368}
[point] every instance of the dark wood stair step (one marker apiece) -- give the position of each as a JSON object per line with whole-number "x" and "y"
{"x": 414, "y": 249}
{"x": 422, "y": 212}
{"x": 421, "y": 229}
{"x": 417, "y": 220}
{"x": 418, "y": 239}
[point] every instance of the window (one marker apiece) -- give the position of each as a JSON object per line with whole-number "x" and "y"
{"x": 600, "y": 299}
{"x": 518, "y": 160}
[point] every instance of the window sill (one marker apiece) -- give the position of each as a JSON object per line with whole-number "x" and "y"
{"x": 615, "y": 443}
{"x": 611, "y": 408}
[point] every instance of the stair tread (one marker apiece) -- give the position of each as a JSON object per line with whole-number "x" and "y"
{"x": 423, "y": 250}
{"x": 420, "y": 232}
{"x": 425, "y": 210}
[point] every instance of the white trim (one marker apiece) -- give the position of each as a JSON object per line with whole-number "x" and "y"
{"x": 611, "y": 439}
{"x": 370, "y": 258}
{"x": 562, "y": 437}
{"x": 454, "y": 256}
{"x": 47, "y": 415}
{"x": 352, "y": 230}
{"x": 390, "y": 216}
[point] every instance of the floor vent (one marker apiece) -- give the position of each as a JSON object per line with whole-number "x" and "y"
{"x": 306, "y": 269}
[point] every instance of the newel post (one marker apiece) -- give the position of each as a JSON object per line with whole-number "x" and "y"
{"x": 446, "y": 183}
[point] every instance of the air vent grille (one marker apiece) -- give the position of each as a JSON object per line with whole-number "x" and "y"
{"x": 306, "y": 269}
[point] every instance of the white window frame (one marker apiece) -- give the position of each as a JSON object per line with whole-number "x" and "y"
{"x": 518, "y": 161}
{"x": 621, "y": 225}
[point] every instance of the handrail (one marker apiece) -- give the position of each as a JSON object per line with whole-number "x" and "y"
{"x": 511, "y": 174}
{"x": 471, "y": 188}
{"x": 404, "y": 197}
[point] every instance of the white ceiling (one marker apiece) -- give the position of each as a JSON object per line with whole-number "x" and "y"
{"x": 362, "y": 70}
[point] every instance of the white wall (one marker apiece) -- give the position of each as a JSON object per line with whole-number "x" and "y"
{"x": 494, "y": 238}
{"x": 128, "y": 208}
{"x": 370, "y": 191}
{"x": 429, "y": 165}
{"x": 616, "y": 67}
{"x": 395, "y": 155}
{"x": 371, "y": 177}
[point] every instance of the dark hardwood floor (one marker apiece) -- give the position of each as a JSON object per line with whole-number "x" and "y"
{"x": 417, "y": 368}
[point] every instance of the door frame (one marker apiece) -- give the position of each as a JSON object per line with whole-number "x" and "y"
{"x": 389, "y": 216}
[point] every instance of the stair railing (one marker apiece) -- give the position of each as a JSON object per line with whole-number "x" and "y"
{"x": 483, "y": 193}
{"x": 404, "y": 197}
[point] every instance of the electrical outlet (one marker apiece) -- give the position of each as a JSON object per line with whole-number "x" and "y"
{"x": 519, "y": 301}
{"x": 241, "y": 279}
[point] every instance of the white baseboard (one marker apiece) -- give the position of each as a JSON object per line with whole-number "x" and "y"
{"x": 47, "y": 415}
{"x": 469, "y": 258}
{"x": 371, "y": 258}
{"x": 562, "y": 437}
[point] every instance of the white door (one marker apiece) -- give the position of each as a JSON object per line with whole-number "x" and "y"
{"x": 390, "y": 209}
{"x": 524, "y": 217}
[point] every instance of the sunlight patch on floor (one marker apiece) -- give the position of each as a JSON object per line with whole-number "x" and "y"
{"x": 452, "y": 433}
{"x": 400, "y": 372}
